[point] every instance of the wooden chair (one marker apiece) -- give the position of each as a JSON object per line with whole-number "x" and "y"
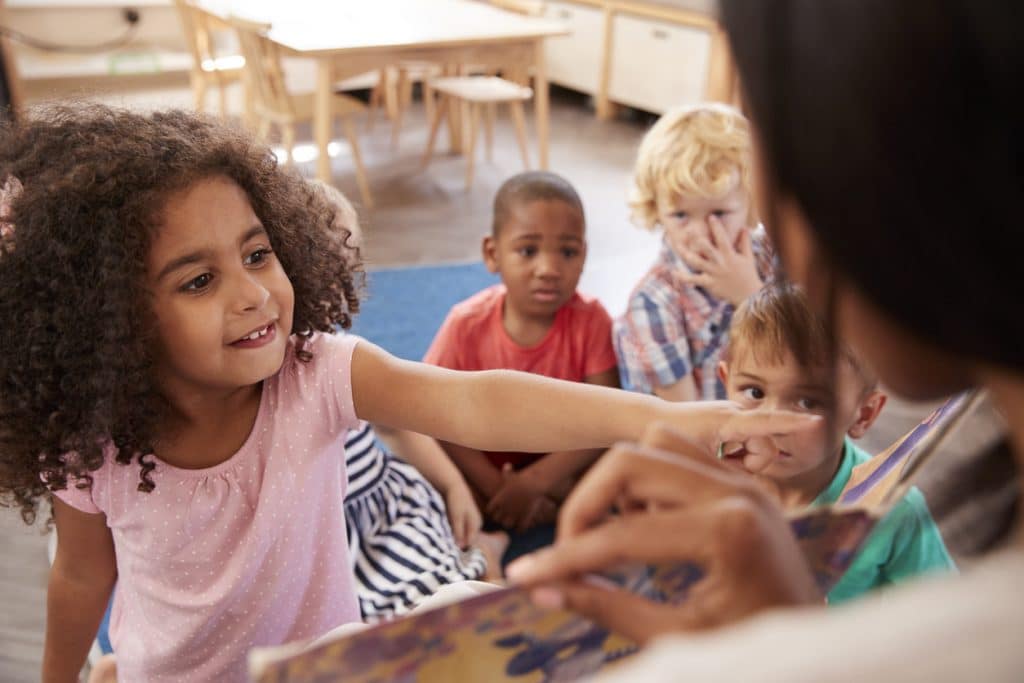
{"x": 479, "y": 94}
{"x": 207, "y": 67}
{"x": 397, "y": 87}
{"x": 275, "y": 104}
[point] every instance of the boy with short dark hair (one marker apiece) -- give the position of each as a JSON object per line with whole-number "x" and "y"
{"x": 534, "y": 321}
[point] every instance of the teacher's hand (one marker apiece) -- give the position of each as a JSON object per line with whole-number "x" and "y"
{"x": 677, "y": 503}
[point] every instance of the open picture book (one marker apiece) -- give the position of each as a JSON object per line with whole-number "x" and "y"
{"x": 501, "y": 636}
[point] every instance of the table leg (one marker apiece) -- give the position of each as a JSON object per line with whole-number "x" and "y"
{"x": 322, "y": 118}
{"x": 540, "y": 101}
{"x": 454, "y": 115}
{"x": 721, "y": 79}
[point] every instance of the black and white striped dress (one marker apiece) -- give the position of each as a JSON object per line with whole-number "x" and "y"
{"x": 401, "y": 542}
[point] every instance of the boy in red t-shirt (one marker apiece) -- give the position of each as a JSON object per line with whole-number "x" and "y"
{"x": 534, "y": 321}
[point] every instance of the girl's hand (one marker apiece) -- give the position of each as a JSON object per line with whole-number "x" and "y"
{"x": 463, "y": 513}
{"x": 678, "y": 504}
{"x": 725, "y": 270}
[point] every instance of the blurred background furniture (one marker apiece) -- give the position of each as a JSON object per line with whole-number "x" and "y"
{"x": 348, "y": 39}
{"x": 479, "y": 95}
{"x": 208, "y": 67}
{"x": 279, "y": 103}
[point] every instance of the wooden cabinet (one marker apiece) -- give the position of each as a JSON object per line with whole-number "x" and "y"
{"x": 648, "y": 54}
{"x": 575, "y": 60}
{"x": 655, "y": 64}
{"x": 154, "y": 56}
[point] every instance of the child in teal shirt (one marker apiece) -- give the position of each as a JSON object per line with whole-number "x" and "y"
{"x": 780, "y": 356}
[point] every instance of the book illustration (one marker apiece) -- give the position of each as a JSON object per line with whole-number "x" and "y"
{"x": 830, "y": 538}
{"x": 509, "y": 637}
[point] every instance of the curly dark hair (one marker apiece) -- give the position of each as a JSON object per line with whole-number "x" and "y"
{"x": 76, "y": 366}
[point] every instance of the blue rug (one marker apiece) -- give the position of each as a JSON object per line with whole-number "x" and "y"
{"x": 404, "y": 307}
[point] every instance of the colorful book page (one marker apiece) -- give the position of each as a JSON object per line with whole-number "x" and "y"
{"x": 502, "y": 636}
{"x": 498, "y": 636}
{"x": 830, "y": 539}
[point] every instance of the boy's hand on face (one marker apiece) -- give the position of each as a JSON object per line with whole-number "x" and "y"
{"x": 512, "y": 505}
{"x": 726, "y": 270}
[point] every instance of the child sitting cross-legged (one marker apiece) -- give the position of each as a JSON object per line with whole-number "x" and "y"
{"x": 779, "y": 356}
{"x": 534, "y": 321}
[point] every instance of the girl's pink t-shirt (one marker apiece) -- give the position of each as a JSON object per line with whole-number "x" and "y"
{"x": 250, "y": 552}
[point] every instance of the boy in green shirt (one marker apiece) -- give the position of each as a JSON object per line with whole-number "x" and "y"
{"x": 781, "y": 356}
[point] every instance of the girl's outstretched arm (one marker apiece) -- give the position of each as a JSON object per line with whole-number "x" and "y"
{"x": 81, "y": 580}
{"x": 555, "y": 475}
{"x": 502, "y": 410}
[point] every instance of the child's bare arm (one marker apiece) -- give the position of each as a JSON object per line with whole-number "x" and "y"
{"x": 81, "y": 580}
{"x": 554, "y": 474}
{"x": 504, "y": 410}
{"x": 482, "y": 476}
{"x": 683, "y": 390}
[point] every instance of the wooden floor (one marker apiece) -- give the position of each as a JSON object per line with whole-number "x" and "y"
{"x": 421, "y": 218}
{"x": 22, "y": 597}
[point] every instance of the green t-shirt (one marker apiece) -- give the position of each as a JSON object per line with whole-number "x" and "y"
{"x": 905, "y": 543}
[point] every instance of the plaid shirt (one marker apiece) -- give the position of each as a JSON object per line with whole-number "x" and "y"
{"x": 672, "y": 328}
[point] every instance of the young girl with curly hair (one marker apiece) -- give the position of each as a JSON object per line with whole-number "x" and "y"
{"x": 169, "y": 374}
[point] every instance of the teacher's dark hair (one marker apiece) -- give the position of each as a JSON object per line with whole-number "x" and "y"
{"x": 898, "y": 127}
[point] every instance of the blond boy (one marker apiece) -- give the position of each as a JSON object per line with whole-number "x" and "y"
{"x": 693, "y": 181}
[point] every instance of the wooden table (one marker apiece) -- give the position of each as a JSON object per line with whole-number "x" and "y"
{"x": 350, "y": 38}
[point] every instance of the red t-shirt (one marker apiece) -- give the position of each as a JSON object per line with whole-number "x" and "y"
{"x": 473, "y": 337}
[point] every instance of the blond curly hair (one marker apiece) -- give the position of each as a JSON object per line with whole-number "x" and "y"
{"x": 697, "y": 150}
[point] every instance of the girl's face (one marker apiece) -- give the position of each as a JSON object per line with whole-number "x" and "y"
{"x": 222, "y": 301}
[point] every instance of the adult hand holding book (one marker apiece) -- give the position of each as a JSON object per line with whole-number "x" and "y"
{"x": 678, "y": 503}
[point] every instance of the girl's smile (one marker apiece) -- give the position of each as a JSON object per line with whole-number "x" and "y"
{"x": 218, "y": 289}
{"x": 258, "y": 337}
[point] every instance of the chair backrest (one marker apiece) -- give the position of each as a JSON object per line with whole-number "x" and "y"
{"x": 197, "y": 33}
{"x": 263, "y": 66}
{"x": 533, "y": 8}
{"x": 10, "y": 81}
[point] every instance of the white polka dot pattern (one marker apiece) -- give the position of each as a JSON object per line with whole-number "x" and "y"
{"x": 252, "y": 551}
